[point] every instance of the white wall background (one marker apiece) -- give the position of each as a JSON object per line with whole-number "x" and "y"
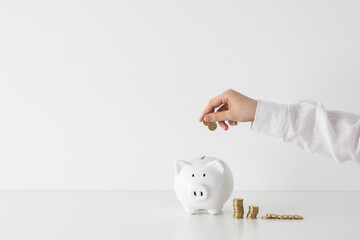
{"x": 106, "y": 95}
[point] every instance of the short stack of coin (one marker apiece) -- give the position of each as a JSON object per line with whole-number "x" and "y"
{"x": 276, "y": 216}
{"x": 211, "y": 125}
{"x": 238, "y": 208}
{"x": 253, "y": 211}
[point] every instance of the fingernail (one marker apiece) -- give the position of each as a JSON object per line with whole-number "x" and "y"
{"x": 207, "y": 118}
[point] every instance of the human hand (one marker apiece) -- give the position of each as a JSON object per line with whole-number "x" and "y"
{"x": 233, "y": 107}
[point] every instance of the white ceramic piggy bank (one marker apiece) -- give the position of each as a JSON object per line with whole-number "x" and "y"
{"x": 203, "y": 183}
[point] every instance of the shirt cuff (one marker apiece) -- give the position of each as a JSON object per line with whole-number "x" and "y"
{"x": 269, "y": 118}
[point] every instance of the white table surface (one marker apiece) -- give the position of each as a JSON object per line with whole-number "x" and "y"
{"x": 158, "y": 215}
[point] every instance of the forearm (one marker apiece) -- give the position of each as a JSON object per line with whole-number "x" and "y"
{"x": 310, "y": 126}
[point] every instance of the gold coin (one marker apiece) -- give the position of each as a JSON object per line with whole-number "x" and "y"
{"x": 238, "y": 205}
{"x": 265, "y": 217}
{"x": 268, "y": 215}
{"x": 273, "y": 216}
{"x": 290, "y": 217}
{"x": 298, "y": 217}
{"x": 212, "y": 126}
{"x": 237, "y": 216}
{"x": 206, "y": 123}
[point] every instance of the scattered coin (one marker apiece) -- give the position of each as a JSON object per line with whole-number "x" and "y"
{"x": 276, "y": 216}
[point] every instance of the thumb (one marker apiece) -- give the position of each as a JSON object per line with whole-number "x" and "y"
{"x": 217, "y": 116}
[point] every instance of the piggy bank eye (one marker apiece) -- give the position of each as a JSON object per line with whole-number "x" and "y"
{"x": 193, "y": 175}
{"x": 204, "y": 175}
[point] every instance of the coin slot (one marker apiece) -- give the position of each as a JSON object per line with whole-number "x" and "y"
{"x": 204, "y": 175}
{"x": 201, "y": 193}
{"x": 195, "y": 193}
{"x": 202, "y": 158}
{"x": 193, "y": 175}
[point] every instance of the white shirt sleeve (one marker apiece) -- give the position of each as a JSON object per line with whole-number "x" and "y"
{"x": 310, "y": 126}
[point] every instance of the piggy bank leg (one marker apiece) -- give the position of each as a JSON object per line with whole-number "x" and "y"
{"x": 190, "y": 211}
{"x": 214, "y": 211}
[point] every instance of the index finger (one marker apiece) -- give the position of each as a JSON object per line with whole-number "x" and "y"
{"x": 210, "y": 107}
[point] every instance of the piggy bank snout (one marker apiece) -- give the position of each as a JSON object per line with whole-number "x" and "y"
{"x": 198, "y": 192}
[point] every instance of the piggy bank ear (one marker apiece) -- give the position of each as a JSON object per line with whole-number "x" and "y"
{"x": 217, "y": 165}
{"x": 179, "y": 165}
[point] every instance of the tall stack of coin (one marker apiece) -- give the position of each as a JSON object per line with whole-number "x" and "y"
{"x": 211, "y": 125}
{"x": 238, "y": 208}
{"x": 253, "y": 211}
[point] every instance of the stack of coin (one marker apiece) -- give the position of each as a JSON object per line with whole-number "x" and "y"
{"x": 238, "y": 208}
{"x": 253, "y": 211}
{"x": 276, "y": 216}
{"x": 211, "y": 125}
